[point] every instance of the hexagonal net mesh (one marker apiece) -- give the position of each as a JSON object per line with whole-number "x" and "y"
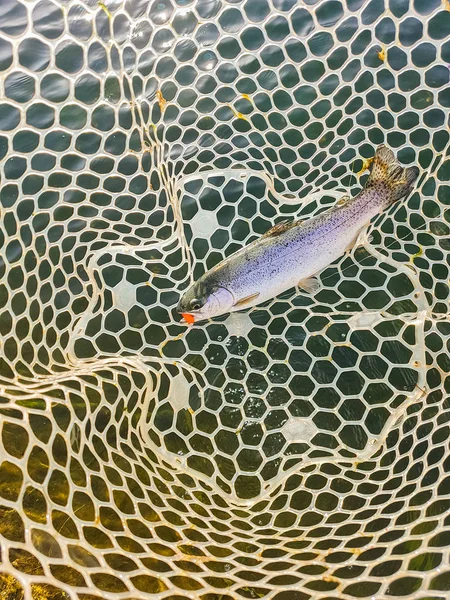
{"x": 297, "y": 450}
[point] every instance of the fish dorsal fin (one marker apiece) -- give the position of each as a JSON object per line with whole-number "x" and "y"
{"x": 280, "y": 228}
{"x": 243, "y": 302}
{"x": 343, "y": 200}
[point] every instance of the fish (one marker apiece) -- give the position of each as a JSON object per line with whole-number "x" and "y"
{"x": 290, "y": 254}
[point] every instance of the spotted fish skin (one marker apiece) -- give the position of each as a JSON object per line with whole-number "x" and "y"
{"x": 291, "y": 253}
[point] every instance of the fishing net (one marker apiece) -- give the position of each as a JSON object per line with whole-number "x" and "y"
{"x": 297, "y": 450}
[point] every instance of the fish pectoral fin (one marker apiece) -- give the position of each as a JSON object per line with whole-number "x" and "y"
{"x": 311, "y": 285}
{"x": 243, "y": 302}
{"x": 352, "y": 243}
{"x": 280, "y": 228}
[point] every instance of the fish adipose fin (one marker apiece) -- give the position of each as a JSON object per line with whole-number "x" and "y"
{"x": 243, "y": 302}
{"x": 280, "y": 228}
{"x": 386, "y": 169}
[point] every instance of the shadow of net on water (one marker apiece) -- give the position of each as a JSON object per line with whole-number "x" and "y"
{"x": 294, "y": 451}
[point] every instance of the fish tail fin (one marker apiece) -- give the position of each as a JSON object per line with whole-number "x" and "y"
{"x": 386, "y": 169}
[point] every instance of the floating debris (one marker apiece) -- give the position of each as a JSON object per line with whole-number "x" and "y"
{"x": 382, "y": 54}
{"x": 161, "y": 100}
{"x": 366, "y": 164}
{"x": 105, "y": 9}
{"x": 236, "y": 113}
{"x": 416, "y": 255}
{"x": 247, "y": 97}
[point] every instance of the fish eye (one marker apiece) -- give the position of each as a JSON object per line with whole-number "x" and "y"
{"x": 196, "y": 304}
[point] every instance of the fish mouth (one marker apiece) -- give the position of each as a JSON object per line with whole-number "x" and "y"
{"x": 188, "y": 318}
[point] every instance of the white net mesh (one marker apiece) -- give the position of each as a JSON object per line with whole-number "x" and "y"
{"x": 298, "y": 450}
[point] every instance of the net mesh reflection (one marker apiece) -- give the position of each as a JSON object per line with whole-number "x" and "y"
{"x": 298, "y": 450}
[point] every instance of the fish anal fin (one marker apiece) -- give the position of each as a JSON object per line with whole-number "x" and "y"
{"x": 280, "y": 228}
{"x": 243, "y": 302}
{"x": 311, "y": 285}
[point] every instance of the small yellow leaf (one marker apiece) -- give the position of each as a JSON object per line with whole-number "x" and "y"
{"x": 419, "y": 253}
{"x": 382, "y": 54}
{"x": 161, "y": 101}
{"x": 366, "y": 164}
{"x": 237, "y": 114}
{"x": 105, "y": 9}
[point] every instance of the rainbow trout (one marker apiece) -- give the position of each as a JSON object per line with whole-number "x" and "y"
{"x": 291, "y": 253}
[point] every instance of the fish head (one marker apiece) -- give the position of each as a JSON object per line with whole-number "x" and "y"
{"x": 202, "y": 301}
